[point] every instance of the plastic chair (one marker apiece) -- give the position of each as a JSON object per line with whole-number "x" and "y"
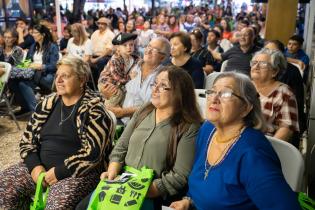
{"x": 292, "y": 162}
{"x": 201, "y": 100}
{"x": 223, "y": 65}
{"x": 3, "y": 97}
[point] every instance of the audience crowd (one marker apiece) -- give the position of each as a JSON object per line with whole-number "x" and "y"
{"x": 143, "y": 69}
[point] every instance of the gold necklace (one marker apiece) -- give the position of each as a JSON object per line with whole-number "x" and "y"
{"x": 229, "y": 139}
{"x": 223, "y": 154}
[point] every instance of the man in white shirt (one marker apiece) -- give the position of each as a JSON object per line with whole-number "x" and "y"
{"x": 138, "y": 89}
{"x": 102, "y": 46}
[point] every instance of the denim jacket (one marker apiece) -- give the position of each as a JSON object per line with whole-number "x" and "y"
{"x": 50, "y": 58}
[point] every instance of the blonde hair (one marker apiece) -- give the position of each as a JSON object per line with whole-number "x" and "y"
{"x": 78, "y": 66}
{"x": 83, "y": 35}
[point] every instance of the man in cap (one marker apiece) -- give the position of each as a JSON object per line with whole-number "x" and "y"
{"x": 116, "y": 72}
{"x": 102, "y": 46}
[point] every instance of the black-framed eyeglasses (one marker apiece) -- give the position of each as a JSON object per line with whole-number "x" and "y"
{"x": 224, "y": 95}
{"x": 160, "y": 87}
{"x": 154, "y": 50}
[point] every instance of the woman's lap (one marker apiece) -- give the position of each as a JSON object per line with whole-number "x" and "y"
{"x": 67, "y": 193}
{"x": 17, "y": 188}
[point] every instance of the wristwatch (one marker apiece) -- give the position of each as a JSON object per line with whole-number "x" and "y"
{"x": 191, "y": 202}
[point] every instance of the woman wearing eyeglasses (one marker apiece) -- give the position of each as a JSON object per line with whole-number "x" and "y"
{"x": 10, "y": 52}
{"x": 44, "y": 54}
{"x": 161, "y": 136}
{"x": 235, "y": 166}
{"x": 278, "y": 102}
{"x": 68, "y": 138}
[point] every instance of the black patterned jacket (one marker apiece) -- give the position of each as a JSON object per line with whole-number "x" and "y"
{"x": 95, "y": 130}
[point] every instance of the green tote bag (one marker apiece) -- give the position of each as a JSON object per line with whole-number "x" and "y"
{"x": 126, "y": 192}
{"x": 39, "y": 201}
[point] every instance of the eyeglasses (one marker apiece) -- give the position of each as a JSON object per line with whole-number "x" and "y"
{"x": 101, "y": 23}
{"x": 260, "y": 64}
{"x": 196, "y": 31}
{"x": 224, "y": 95}
{"x": 35, "y": 32}
{"x": 245, "y": 35}
{"x": 63, "y": 76}
{"x": 160, "y": 87}
{"x": 7, "y": 37}
{"x": 153, "y": 50}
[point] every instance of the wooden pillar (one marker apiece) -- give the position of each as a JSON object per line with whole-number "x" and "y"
{"x": 281, "y": 19}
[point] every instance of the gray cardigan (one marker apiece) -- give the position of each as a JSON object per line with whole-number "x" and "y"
{"x": 147, "y": 145}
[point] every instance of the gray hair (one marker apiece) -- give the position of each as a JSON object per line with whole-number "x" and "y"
{"x": 277, "y": 59}
{"x": 166, "y": 46}
{"x": 80, "y": 68}
{"x": 249, "y": 93}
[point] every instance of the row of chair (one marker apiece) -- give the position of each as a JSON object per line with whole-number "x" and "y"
{"x": 3, "y": 93}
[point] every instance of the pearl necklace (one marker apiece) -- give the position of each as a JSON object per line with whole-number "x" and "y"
{"x": 223, "y": 154}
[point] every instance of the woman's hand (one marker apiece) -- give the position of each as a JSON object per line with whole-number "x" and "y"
{"x": 108, "y": 90}
{"x": 50, "y": 177}
{"x": 112, "y": 172}
{"x": 181, "y": 205}
{"x": 37, "y": 170}
{"x": 36, "y": 66}
{"x": 208, "y": 69}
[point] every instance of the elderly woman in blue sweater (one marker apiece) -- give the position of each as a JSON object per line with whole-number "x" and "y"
{"x": 235, "y": 165}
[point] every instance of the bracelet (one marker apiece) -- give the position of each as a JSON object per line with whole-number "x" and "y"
{"x": 191, "y": 202}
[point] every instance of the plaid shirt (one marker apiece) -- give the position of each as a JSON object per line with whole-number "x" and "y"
{"x": 280, "y": 109}
{"x": 117, "y": 70}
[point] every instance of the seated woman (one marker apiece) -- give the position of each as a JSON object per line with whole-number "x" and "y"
{"x": 44, "y": 55}
{"x": 79, "y": 45}
{"x": 235, "y": 165}
{"x": 161, "y": 135}
{"x": 278, "y": 102}
{"x": 292, "y": 77}
{"x": 180, "y": 49}
{"x": 68, "y": 138}
{"x": 11, "y": 52}
{"x": 199, "y": 52}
